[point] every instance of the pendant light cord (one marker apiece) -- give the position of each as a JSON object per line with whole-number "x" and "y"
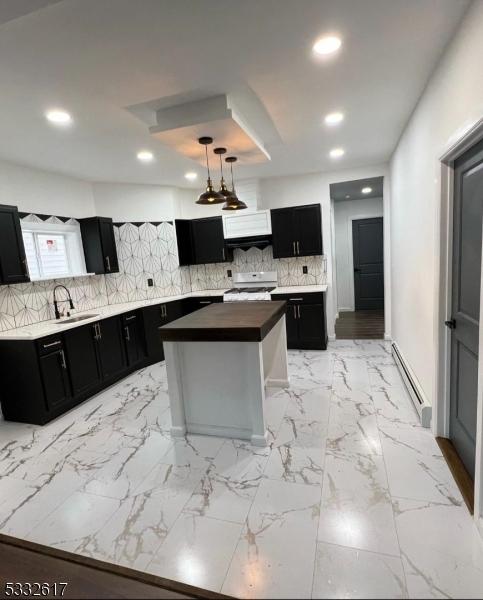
{"x": 231, "y": 170}
{"x": 207, "y": 163}
{"x": 221, "y": 166}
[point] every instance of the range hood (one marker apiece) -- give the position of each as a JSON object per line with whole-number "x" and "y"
{"x": 252, "y": 241}
{"x": 248, "y": 229}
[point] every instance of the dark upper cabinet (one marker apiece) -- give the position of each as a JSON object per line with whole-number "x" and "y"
{"x": 110, "y": 344}
{"x": 81, "y": 352}
{"x": 201, "y": 241}
{"x": 55, "y": 378}
{"x": 297, "y": 231}
{"x": 133, "y": 338}
{"x": 99, "y": 245}
{"x": 13, "y": 262}
{"x": 305, "y": 320}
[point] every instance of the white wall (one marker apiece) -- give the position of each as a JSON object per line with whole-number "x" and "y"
{"x": 344, "y": 212}
{"x": 312, "y": 188}
{"x": 452, "y": 101}
{"x": 125, "y": 202}
{"x": 43, "y": 192}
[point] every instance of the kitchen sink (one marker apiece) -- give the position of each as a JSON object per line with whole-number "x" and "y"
{"x": 76, "y": 319}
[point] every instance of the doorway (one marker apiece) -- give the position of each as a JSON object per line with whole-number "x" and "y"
{"x": 465, "y": 314}
{"x": 359, "y": 258}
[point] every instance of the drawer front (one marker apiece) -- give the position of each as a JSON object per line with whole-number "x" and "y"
{"x": 52, "y": 343}
{"x": 294, "y": 298}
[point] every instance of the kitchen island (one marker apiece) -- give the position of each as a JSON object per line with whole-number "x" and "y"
{"x": 219, "y": 360}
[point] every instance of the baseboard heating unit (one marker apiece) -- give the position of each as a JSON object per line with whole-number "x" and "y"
{"x": 417, "y": 395}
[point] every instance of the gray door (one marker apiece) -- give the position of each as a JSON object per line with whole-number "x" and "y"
{"x": 368, "y": 247}
{"x": 467, "y": 224}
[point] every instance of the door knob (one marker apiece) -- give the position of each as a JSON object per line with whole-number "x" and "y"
{"x": 451, "y": 323}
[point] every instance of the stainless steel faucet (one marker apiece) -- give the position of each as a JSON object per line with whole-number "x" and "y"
{"x": 57, "y": 302}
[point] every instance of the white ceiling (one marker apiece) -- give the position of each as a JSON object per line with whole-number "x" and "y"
{"x": 96, "y": 57}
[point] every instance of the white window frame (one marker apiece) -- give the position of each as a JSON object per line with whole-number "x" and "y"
{"x": 73, "y": 245}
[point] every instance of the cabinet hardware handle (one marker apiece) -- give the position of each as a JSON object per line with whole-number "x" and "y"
{"x": 25, "y": 267}
{"x": 128, "y": 337}
{"x": 130, "y": 318}
{"x": 223, "y": 254}
{"x": 451, "y": 324}
{"x": 298, "y": 310}
{"x": 205, "y": 301}
{"x": 294, "y": 311}
{"x": 298, "y": 248}
{"x": 164, "y": 311}
{"x": 51, "y": 344}
{"x": 62, "y": 359}
{"x": 96, "y": 333}
{"x": 99, "y": 330}
{"x": 295, "y": 299}
{"x": 293, "y": 245}
{"x": 108, "y": 261}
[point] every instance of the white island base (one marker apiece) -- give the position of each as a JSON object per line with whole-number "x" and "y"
{"x": 218, "y": 388}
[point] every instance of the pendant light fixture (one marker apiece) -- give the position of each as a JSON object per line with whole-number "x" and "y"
{"x": 211, "y": 196}
{"x": 224, "y": 191}
{"x": 232, "y": 202}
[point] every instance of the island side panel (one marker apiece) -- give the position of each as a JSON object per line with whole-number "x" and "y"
{"x": 275, "y": 359}
{"x": 220, "y": 386}
{"x": 175, "y": 388}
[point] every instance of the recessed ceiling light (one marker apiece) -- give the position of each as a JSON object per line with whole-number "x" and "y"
{"x": 59, "y": 117}
{"x": 348, "y": 196}
{"x": 337, "y": 153}
{"x": 366, "y": 190}
{"x": 145, "y": 156}
{"x": 334, "y": 118}
{"x": 191, "y": 176}
{"x": 326, "y": 45}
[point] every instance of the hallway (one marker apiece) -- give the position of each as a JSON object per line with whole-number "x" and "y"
{"x": 360, "y": 325}
{"x": 352, "y": 498}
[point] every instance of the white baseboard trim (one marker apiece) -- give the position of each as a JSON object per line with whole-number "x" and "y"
{"x": 346, "y": 309}
{"x": 178, "y": 431}
{"x": 331, "y": 337}
{"x": 281, "y": 383}
{"x": 415, "y": 391}
{"x": 216, "y": 430}
{"x": 387, "y": 337}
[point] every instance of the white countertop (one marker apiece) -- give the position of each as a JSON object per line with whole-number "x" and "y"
{"x": 44, "y": 328}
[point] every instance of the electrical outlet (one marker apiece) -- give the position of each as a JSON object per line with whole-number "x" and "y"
{"x": 228, "y": 272}
{"x": 305, "y": 270}
{"x": 150, "y": 282}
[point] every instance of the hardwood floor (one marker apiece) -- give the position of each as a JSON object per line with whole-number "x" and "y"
{"x": 360, "y": 325}
{"x": 463, "y": 479}
{"x": 25, "y": 562}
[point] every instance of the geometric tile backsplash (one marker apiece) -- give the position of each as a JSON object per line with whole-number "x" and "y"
{"x": 147, "y": 251}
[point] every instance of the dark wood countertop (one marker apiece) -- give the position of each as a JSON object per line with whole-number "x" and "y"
{"x": 225, "y": 322}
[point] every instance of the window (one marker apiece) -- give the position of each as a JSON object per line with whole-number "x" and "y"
{"x": 53, "y": 251}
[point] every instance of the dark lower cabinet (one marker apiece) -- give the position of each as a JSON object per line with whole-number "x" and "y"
{"x": 155, "y": 317}
{"x": 81, "y": 355}
{"x": 110, "y": 348}
{"x": 192, "y": 304}
{"x": 305, "y": 320}
{"x": 133, "y": 338}
{"x": 55, "y": 379}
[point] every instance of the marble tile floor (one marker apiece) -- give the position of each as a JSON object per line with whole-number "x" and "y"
{"x": 352, "y": 499}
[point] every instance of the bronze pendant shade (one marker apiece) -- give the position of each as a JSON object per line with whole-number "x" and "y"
{"x": 232, "y": 201}
{"x": 210, "y": 196}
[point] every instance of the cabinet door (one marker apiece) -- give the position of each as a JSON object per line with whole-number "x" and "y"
{"x": 133, "y": 339}
{"x": 110, "y": 344}
{"x": 311, "y": 326}
{"x": 172, "y": 311}
{"x": 108, "y": 244}
{"x": 283, "y": 233}
{"x": 184, "y": 242}
{"x": 53, "y": 369}
{"x": 307, "y": 223}
{"x": 292, "y": 326}
{"x": 208, "y": 240}
{"x": 153, "y": 317}
{"x": 81, "y": 353}
{"x": 13, "y": 262}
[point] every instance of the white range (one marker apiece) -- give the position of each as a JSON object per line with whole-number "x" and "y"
{"x": 251, "y": 286}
